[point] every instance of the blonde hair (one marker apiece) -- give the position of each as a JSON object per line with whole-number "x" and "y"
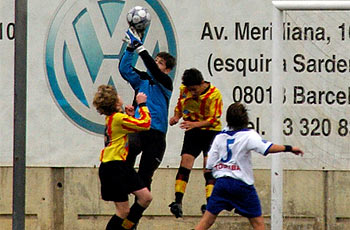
{"x": 105, "y": 100}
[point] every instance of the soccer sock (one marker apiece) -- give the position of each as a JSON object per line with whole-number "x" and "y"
{"x": 114, "y": 223}
{"x": 134, "y": 216}
{"x": 182, "y": 177}
{"x": 209, "y": 184}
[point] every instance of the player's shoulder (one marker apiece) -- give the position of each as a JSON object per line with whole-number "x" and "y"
{"x": 183, "y": 90}
{"x": 119, "y": 116}
{"x": 115, "y": 119}
{"x": 215, "y": 90}
{"x": 242, "y": 133}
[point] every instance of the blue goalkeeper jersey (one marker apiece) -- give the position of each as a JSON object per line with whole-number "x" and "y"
{"x": 154, "y": 83}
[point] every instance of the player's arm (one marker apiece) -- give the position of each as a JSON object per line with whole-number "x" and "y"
{"x": 213, "y": 117}
{"x": 132, "y": 124}
{"x": 285, "y": 148}
{"x": 178, "y": 108}
{"x": 135, "y": 41}
{"x": 188, "y": 125}
{"x": 264, "y": 147}
{"x": 159, "y": 76}
{"x": 175, "y": 119}
{"x": 127, "y": 71}
{"x": 215, "y": 109}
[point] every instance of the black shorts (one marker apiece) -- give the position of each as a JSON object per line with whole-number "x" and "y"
{"x": 152, "y": 144}
{"x": 198, "y": 140}
{"x": 118, "y": 180}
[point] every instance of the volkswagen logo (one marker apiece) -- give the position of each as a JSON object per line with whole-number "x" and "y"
{"x": 83, "y": 49}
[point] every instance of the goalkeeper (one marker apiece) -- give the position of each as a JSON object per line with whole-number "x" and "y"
{"x": 229, "y": 158}
{"x": 158, "y": 86}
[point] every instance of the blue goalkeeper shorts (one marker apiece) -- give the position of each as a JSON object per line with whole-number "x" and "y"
{"x": 230, "y": 193}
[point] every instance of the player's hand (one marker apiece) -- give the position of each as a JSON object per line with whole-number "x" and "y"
{"x": 130, "y": 110}
{"x": 297, "y": 151}
{"x": 135, "y": 40}
{"x": 140, "y": 33}
{"x": 141, "y": 98}
{"x": 188, "y": 125}
{"x": 174, "y": 120}
{"x": 128, "y": 41}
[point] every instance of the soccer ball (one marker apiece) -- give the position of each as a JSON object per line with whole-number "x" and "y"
{"x": 139, "y": 18}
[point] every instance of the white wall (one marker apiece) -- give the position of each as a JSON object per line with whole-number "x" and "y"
{"x": 205, "y": 37}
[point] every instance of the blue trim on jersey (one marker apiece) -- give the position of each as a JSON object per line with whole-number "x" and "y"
{"x": 267, "y": 150}
{"x": 158, "y": 97}
{"x": 233, "y": 132}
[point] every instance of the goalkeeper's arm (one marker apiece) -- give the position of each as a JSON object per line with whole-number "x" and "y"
{"x": 151, "y": 65}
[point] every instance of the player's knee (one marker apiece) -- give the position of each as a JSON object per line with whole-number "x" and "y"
{"x": 124, "y": 212}
{"x": 258, "y": 223}
{"x": 145, "y": 200}
{"x": 148, "y": 199}
{"x": 187, "y": 163}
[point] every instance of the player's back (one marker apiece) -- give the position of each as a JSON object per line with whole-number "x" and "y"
{"x": 234, "y": 153}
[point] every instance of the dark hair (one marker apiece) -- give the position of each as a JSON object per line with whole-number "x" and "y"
{"x": 237, "y": 116}
{"x": 170, "y": 61}
{"x": 105, "y": 100}
{"x": 192, "y": 77}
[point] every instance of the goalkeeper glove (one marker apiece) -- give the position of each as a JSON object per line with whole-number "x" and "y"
{"x": 134, "y": 40}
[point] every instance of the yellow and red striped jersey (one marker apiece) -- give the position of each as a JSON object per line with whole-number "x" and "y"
{"x": 207, "y": 107}
{"x": 118, "y": 125}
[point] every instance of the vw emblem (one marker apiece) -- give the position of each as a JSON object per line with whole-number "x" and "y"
{"x": 83, "y": 49}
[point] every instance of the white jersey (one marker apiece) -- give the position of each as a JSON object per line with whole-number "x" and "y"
{"x": 230, "y": 154}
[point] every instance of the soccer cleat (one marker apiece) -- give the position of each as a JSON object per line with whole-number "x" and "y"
{"x": 203, "y": 208}
{"x": 176, "y": 209}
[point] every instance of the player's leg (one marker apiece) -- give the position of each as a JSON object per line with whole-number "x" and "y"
{"x": 219, "y": 200}
{"x": 209, "y": 183}
{"x": 153, "y": 148}
{"x": 206, "y": 221}
{"x": 134, "y": 148}
{"x": 208, "y": 137}
{"x": 144, "y": 197}
{"x": 245, "y": 201}
{"x": 112, "y": 189}
{"x": 143, "y": 200}
{"x": 190, "y": 151}
{"x": 257, "y": 223}
{"x": 182, "y": 178}
{"x": 122, "y": 211}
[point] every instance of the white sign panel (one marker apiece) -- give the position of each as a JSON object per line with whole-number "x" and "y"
{"x": 75, "y": 46}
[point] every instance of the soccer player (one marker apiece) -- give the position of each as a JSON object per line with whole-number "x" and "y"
{"x": 200, "y": 107}
{"x": 230, "y": 161}
{"x": 119, "y": 179}
{"x": 158, "y": 86}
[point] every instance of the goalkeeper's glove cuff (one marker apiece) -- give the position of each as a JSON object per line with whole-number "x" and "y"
{"x": 140, "y": 49}
{"x": 130, "y": 49}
